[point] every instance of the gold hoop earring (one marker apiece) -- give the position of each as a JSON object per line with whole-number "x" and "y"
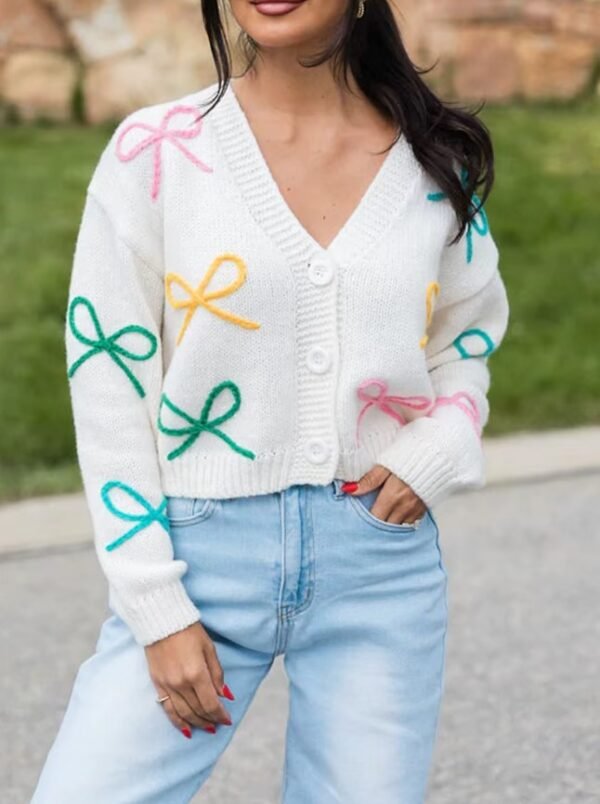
{"x": 361, "y": 9}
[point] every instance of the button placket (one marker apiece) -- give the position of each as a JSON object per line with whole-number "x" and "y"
{"x": 321, "y": 271}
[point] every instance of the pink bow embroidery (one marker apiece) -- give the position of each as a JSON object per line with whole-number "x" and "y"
{"x": 156, "y": 138}
{"x": 384, "y": 401}
{"x": 466, "y": 403}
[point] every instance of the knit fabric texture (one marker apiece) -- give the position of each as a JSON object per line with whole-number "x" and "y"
{"x": 215, "y": 349}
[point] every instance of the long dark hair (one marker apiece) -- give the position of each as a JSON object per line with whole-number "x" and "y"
{"x": 442, "y": 135}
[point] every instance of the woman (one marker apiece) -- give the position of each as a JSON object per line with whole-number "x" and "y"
{"x": 283, "y": 298}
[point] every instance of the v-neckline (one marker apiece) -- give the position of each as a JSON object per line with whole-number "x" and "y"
{"x": 370, "y": 216}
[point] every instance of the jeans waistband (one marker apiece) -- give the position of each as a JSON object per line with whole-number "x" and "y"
{"x": 334, "y": 487}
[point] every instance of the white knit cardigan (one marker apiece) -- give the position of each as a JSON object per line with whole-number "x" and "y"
{"x": 215, "y": 349}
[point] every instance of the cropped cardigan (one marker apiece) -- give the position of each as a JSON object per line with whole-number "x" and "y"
{"x": 215, "y": 349}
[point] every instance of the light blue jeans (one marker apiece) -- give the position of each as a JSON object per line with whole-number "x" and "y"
{"x": 358, "y": 608}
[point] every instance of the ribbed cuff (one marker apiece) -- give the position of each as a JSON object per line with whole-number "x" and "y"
{"x": 157, "y": 615}
{"x": 429, "y": 473}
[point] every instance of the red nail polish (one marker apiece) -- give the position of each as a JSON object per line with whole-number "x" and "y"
{"x": 211, "y": 729}
{"x": 187, "y": 733}
{"x": 227, "y": 692}
{"x": 349, "y": 487}
{"x": 228, "y": 722}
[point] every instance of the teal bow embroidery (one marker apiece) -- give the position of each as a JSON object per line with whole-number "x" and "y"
{"x": 146, "y": 517}
{"x": 109, "y": 344}
{"x": 481, "y": 226}
{"x": 479, "y": 333}
{"x": 204, "y": 423}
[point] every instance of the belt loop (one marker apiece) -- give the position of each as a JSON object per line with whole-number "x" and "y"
{"x": 336, "y": 486}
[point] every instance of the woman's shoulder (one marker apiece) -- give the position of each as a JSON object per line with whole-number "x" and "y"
{"x": 134, "y": 158}
{"x": 154, "y": 152}
{"x": 155, "y": 113}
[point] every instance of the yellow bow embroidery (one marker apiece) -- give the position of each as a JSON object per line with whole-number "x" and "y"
{"x": 433, "y": 289}
{"x": 200, "y": 297}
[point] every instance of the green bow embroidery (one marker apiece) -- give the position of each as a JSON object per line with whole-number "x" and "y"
{"x": 108, "y": 344}
{"x": 203, "y": 423}
{"x": 481, "y": 226}
{"x": 143, "y": 519}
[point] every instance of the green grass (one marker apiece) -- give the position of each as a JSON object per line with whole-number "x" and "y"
{"x": 543, "y": 213}
{"x": 44, "y": 173}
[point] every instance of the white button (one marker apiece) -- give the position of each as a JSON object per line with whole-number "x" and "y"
{"x": 318, "y": 359}
{"x": 320, "y": 270}
{"x": 317, "y": 450}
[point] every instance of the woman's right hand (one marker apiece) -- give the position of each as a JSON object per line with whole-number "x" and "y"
{"x": 185, "y": 666}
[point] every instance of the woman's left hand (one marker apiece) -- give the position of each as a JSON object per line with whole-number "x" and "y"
{"x": 396, "y": 502}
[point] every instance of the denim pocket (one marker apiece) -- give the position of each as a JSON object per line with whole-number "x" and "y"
{"x": 189, "y": 510}
{"x": 362, "y": 504}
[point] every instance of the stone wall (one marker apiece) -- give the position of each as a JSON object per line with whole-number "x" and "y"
{"x": 102, "y": 58}
{"x": 504, "y": 49}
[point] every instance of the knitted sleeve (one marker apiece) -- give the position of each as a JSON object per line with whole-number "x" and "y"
{"x": 442, "y": 452}
{"x": 113, "y": 349}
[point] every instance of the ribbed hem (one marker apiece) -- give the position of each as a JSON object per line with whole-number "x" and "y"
{"x": 157, "y": 615}
{"x": 224, "y": 475}
{"x": 429, "y": 473}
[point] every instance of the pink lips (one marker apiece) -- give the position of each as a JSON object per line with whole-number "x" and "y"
{"x": 276, "y": 7}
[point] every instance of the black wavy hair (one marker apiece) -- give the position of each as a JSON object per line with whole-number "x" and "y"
{"x": 441, "y": 134}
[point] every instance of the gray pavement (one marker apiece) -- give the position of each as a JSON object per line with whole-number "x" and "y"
{"x": 520, "y": 720}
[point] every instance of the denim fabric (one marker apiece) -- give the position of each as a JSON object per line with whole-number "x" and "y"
{"x": 357, "y": 607}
